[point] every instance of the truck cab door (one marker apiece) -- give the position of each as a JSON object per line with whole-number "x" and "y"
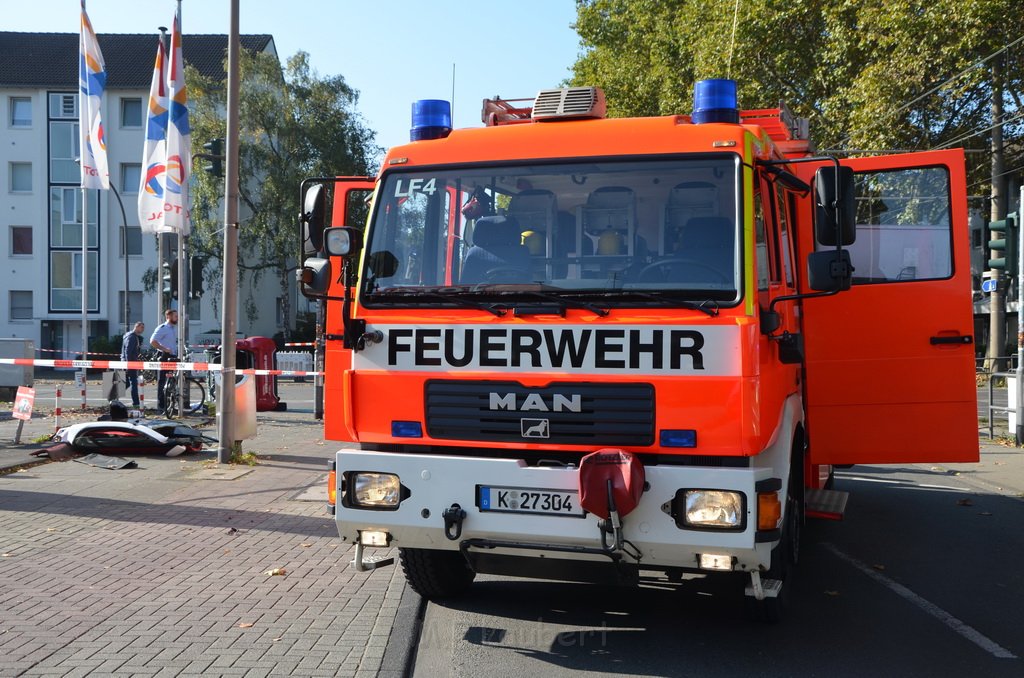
{"x": 890, "y": 363}
{"x": 351, "y": 206}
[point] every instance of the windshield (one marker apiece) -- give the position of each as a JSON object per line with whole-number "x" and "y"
{"x": 632, "y": 230}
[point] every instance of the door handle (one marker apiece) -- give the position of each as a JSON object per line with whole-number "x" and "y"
{"x": 954, "y": 339}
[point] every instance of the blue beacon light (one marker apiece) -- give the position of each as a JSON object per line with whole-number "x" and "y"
{"x": 715, "y": 101}
{"x": 431, "y": 119}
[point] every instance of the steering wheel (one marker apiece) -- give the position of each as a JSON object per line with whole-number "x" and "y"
{"x": 507, "y": 274}
{"x": 647, "y": 273}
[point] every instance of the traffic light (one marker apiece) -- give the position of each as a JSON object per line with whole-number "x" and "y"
{"x": 215, "y": 155}
{"x": 169, "y": 276}
{"x": 195, "y": 270}
{"x": 1007, "y": 244}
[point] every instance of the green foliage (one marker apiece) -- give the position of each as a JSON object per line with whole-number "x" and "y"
{"x": 293, "y": 124}
{"x": 861, "y": 70}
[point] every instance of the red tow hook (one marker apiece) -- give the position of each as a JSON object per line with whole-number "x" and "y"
{"x": 611, "y": 482}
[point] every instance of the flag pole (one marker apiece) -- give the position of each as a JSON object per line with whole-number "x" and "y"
{"x": 85, "y": 288}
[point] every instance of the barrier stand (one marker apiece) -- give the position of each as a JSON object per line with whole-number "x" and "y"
{"x": 142, "y": 395}
{"x": 56, "y": 411}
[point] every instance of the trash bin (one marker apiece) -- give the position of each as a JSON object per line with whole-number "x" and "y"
{"x": 260, "y": 354}
{"x": 245, "y": 406}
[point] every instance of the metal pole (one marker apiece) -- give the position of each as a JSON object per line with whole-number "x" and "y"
{"x": 1019, "y": 372}
{"x": 318, "y": 362}
{"x": 229, "y": 299}
{"x": 159, "y": 279}
{"x": 182, "y": 316}
{"x": 124, "y": 245}
{"x": 85, "y": 288}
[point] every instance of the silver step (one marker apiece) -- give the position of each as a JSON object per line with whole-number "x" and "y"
{"x": 828, "y": 504}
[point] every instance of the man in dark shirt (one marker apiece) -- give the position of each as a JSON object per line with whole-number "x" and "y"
{"x": 131, "y": 349}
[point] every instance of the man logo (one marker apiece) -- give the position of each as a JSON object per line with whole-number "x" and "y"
{"x": 535, "y": 428}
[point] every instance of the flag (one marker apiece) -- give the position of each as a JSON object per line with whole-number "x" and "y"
{"x": 154, "y": 150}
{"x": 179, "y": 137}
{"x": 167, "y": 154}
{"x": 92, "y": 78}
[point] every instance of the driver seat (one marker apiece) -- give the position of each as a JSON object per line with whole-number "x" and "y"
{"x": 497, "y": 243}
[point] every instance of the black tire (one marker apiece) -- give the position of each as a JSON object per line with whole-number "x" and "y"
{"x": 196, "y": 395}
{"x": 436, "y": 574}
{"x": 786, "y": 554}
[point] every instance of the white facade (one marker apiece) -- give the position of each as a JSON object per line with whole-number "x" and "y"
{"x": 41, "y": 229}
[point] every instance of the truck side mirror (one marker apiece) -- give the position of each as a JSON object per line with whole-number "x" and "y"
{"x": 315, "y": 277}
{"x": 829, "y": 270}
{"x": 835, "y": 215}
{"x": 313, "y": 220}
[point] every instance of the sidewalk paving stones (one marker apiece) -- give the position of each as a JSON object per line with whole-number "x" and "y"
{"x": 162, "y": 569}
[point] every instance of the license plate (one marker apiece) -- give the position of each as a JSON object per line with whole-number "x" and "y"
{"x": 530, "y": 500}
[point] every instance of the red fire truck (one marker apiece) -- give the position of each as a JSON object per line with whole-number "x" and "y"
{"x": 572, "y": 347}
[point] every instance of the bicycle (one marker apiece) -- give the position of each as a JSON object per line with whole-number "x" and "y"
{"x": 193, "y": 383}
{"x": 149, "y": 355}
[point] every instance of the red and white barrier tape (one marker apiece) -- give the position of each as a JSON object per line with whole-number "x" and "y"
{"x": 60, "y": 350}
{"x": 300, "y": 343}
{"x": 146, "y": 365}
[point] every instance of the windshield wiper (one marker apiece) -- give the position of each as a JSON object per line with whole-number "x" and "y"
{"x": 709, "y": 306}
{"x": 562, "y": 301}
{"x": 437, "y": 295}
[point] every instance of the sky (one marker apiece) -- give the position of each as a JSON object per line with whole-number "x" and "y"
{"x": 392, "y": 51}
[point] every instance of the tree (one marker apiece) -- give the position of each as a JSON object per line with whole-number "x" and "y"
{"x": 293, "y": 124}
{"x": 863, "y": 71}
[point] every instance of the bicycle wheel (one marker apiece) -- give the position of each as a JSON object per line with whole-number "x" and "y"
{"x": 197, "y": 402}
{"x": 171, "y": 397}
{"x": 148, "y": 376}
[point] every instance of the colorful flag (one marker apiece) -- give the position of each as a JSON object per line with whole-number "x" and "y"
{"x": 92, "y": 78}
{"x": 167, "y": 155}
{"x": 179, "y": 136}
{"x": 154, "y": 150}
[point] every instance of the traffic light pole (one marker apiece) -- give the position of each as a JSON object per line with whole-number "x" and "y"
{"x": 1019, "y": 381}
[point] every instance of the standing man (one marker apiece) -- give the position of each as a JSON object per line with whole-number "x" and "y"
{"x": 131, "y": 349}
{"x": 165, "y": 340}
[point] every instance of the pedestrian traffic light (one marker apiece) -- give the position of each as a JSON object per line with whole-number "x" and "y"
{"x": 169, "y": 276}
{"x": 215, "y": 155}
{"x": 1006, "y": 245}
{"x": 195, "y": 270}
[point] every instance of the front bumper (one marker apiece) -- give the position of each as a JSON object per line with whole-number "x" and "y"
{"x": 435, "y": 483}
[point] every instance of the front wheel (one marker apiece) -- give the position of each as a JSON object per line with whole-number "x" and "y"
{"x": 436, "y": 574}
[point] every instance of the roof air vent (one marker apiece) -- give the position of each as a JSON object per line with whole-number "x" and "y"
{"x": 569, "y": 102}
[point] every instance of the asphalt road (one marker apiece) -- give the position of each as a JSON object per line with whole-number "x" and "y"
{"x": 922, "y": 578}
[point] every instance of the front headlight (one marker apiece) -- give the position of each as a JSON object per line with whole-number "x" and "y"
{"x": 376, "y": 490}
{"x": 713, "y": 508}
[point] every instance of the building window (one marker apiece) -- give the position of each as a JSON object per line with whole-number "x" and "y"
{"x": 21, "y": 304}
{"x": 64, "y": 106}
{"x": 130, "y": 175}
{"x": 134, "y": 241}
{"x": 66, "y": 281}
{"x": 135, "y": 300}
{"x": 21, "y": 240}
{"x": 195, "y": 310}
{"x": 21, "y": 177}
{"x": 66, "y": 218}
{"x": 64, "y": 153}
{"x": 131, "y": 112}
{"x": 279, "y": 311}
{"x": 21, "y": 112}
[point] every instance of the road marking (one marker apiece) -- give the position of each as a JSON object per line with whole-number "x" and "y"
{"x": 906, "y": 484}
{"x": 934, "y": 610}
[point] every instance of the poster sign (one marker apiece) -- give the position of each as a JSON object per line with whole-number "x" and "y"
{"x": 23, "y": 402}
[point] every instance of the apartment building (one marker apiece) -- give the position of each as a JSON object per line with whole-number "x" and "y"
{"x": 41, "y": 203}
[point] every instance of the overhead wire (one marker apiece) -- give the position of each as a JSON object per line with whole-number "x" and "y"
{"x": 936, "y": 88}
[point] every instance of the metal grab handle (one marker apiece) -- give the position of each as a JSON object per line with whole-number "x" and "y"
{"x": 956, "y": 339}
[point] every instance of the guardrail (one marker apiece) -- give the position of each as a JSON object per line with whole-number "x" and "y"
{"x": 992, "y": 408}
